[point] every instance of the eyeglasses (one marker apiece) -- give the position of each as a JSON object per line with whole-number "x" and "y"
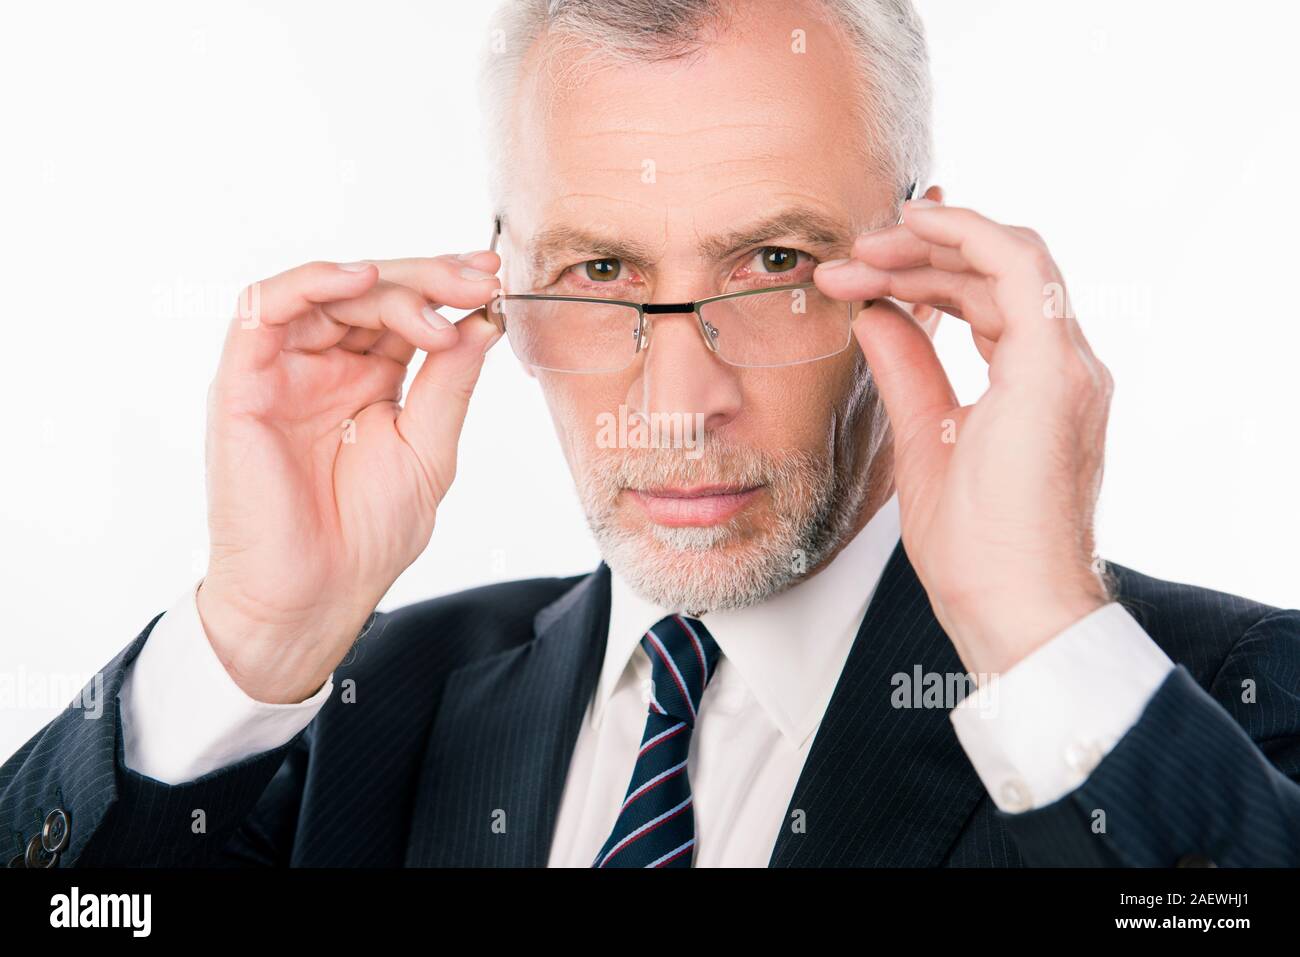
{"x": 766, "y": 327}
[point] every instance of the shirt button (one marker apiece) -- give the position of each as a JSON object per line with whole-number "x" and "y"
{"x": 1082, "y": 756}
{"x": 1015, "y": 795}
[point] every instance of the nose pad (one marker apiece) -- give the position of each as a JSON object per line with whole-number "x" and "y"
{"x": 641, "y": 334}
{"x": 708, "y": 331}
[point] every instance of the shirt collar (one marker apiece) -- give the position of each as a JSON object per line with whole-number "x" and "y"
{"x": 789, "y": 649}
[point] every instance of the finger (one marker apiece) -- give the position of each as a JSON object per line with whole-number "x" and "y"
{"x": 463, "y": 282}
{"x": 267, "y": 307}
{"x": 898, "y": 247}
{"x": 386, "y": 306}
{"x": 438, "y": 399}
{"x": 1057, "y": 305}
{"x": 360, "y": 340}
{"x": 965, "y": 295}
{"x": 912, "y": 383}
{"x": 1022, "y": 269}
{"x": 985, "y": 346}
{"x": 378, "y": 342}
{"x": 393, "y": 347}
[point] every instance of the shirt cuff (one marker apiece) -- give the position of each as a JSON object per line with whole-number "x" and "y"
{"x": 184, "y": 716}
{"x": 1035, "y": 732}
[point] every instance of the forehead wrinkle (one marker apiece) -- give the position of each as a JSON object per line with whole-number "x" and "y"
{"x": 765, "y": 128}
{"x": 736, "y": 165}
{"x": 782, "y": 193}
{"x": 637, "y": 206}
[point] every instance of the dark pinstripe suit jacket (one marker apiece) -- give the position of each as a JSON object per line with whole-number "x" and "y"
{"x": 455, "y": 749}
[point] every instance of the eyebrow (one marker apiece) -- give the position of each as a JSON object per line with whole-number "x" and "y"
{"x": 802, "y": 224}
{"x": 554, "y": 241}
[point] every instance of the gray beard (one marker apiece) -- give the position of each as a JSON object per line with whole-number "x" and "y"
{"x": 815, "y": 505}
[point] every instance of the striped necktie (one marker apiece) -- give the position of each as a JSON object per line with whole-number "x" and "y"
{"x": 656, "y": 824}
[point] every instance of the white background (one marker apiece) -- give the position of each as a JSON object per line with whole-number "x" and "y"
{"x": 159, "y": 156}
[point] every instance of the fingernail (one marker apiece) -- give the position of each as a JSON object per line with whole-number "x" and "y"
{"x": 832, "y": 263}
{"x": 467, "y": 272}
{"x": 921, "y": 203}
{"x": 432, "y": 317}
{"x": 466, "y": 257}
{"x": 354, "y": 267}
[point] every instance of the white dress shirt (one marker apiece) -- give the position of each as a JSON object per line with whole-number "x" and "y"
{"x": 1032, "y": 734}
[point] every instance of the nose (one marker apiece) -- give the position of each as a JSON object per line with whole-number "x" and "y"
{"x": 681, "y": 375}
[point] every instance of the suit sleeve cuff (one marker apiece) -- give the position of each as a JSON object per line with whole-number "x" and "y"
{"x": 1034, "y": 733}
{"x": 184, "y": 716}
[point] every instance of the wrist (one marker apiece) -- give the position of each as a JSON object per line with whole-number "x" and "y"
{"x": 275, "y": 659}
{"x": 994, "y": 634}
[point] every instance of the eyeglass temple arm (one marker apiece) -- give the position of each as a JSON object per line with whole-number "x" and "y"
{"x": 911, "y": 194}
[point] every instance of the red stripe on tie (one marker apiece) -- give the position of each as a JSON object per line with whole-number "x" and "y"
{"x": 685, "y": 850}
{"x": 695, "y": 643}
{"x": 654, "y": 744}
{"x": 640, "y": 794}
{"x": 622, "y": 847}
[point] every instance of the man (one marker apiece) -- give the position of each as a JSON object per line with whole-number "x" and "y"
{"x": 760, "y": 672}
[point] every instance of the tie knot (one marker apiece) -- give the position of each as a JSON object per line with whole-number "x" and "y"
{"x": 683, "y": 657}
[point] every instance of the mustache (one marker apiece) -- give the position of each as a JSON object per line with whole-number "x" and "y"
{"x": 716, "y": 462}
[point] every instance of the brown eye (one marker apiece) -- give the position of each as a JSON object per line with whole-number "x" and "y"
{"x": 779, "y": 258}
{"x": 603, "y": 270}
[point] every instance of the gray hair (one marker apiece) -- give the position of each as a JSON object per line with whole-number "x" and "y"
{"x": 886, "y": 38}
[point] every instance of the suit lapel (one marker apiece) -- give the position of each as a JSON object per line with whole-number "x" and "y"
{"x": 883, "y": 785}
{"x": 499, "y": 751}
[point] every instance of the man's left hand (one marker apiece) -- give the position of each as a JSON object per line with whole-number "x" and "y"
{"x": 996, "y": 498}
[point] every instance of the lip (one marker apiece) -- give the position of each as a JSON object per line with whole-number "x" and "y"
{"x": 700, "y": 505}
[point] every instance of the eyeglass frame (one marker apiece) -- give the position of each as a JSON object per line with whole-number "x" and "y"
{"x": 665, "y": 308}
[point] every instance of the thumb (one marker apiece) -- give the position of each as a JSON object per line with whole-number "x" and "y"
{"x": 438, "y": 399}
{"x": 912, "y": 383}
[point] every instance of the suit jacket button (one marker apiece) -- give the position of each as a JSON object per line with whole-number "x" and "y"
{"x": 36, "y": 856}
{"x": 1195, "y": 860}
{"x": 57, "y": 831}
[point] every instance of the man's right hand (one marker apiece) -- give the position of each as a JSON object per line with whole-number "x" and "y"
{"x": 322, "y": 486}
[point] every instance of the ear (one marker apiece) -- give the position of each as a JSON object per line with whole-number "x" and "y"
{"x": 926, "y": 316}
